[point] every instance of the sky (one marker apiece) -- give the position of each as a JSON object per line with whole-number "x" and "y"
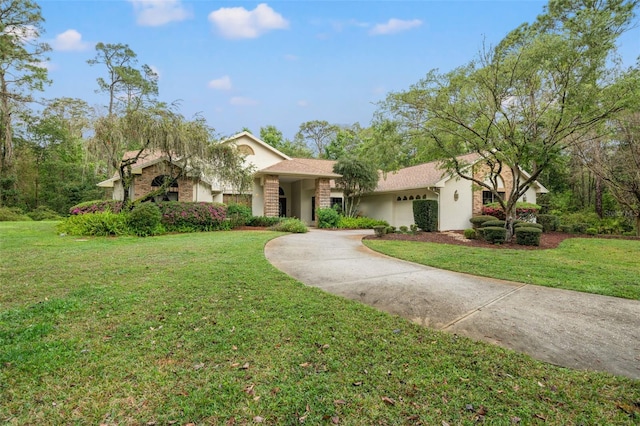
{"x": 243, "y": 64}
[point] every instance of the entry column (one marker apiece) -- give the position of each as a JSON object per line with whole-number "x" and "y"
{"x": 323, "y": 194}
{"x": 271, "y": 195}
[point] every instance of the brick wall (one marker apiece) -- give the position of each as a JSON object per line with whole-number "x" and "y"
{"x": 323, "y": 193}
{"x": 142, "y": 183}
{"x": 480, "y": 171}
{"x": 271, "y": 196}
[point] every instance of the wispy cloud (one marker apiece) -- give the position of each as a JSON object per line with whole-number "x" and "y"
{"x": 154, "y": 13}
{"x": 238, "y": 22}
{"x": 302, "y": 103}
{"x": 394, "y": 26}
{"x": 222, "y": 83}
{"x": 70, "y": 40}
{"x": 242, "y": 101}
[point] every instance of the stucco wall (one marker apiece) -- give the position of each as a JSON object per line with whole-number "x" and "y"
{"x": 455, "y": 215}
{"x": 263, "y": 157}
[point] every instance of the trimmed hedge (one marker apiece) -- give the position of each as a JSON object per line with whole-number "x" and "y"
{"x": 264, "y": 221}
{"x": 523, "y": 210}
{"x": 494, "y": 234}
{"x": 360, "y": 223}
{"x": 528, "y": 225}
{"x": 470, "y": 234}
{"x": 528, "y": 236}
{"x": 477, "y": 221}
{"x": 549, "y": 222}
{"x": 144, "y": 220}
{"x": 425, "y": 214}
{"x": 238, "y": 214}
{"x": 290, "y": 224}
{"x": 493, "y": 223}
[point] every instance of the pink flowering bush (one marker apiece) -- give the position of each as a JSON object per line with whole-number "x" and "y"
{"x": 193, "y": 216}
{"x": 524, "y": 211}
{"x": 96, "y": 206}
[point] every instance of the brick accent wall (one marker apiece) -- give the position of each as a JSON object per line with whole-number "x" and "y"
{"x": 142, "y": 183}
{"x": 323, "y": 193}
{"x": 271, "y": 195}
{"x": 479, "y": 172}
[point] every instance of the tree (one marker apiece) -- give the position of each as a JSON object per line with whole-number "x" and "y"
{"x": 357, "y": 177}
{"x": 317, "y": 135}
{"x": 21, "y": 70}
{"x": 616, "y": 161}
{"x": 545, "y": 87}
{"x": 272, "y": 136}
{"x": 347, "y": 141}
{"x": 126, "y": 85}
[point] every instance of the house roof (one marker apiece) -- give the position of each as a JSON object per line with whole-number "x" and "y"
{"x": 421, "y": 176}
{"x": 258, "y": 141}
{"x": 302, "y": 167}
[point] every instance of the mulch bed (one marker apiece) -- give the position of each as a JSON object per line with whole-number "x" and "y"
{"x": 548, "y": 240}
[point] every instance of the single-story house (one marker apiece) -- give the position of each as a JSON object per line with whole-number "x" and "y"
{"x": 295, "y": 187}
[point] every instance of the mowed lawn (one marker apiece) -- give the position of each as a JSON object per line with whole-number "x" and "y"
{"x": 201, "y": 329}
{"x": 610, "y": 267}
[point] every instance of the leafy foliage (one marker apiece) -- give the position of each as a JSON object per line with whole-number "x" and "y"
{"x": 528, "y": 236}
{"x": 238, "y": 214}
{"x": 357, "y": 177}
{"x": 549, "y": 222}
{"x": 99, "y": 224}
{"x": 493, "y": 234}
{"x": 264, "y": 221}
{"x": 477, "y": 221}
{"x": 193, "y": 216}
{"x": 360, "y": 223}
{"x": 425, "y": 214}
{"x": 523, "y": 211}
{"x": 327, "y": 218}
{"x": 12, "y": 214}
{"x": 144, "y": 220}
{"x": 290, "y": 224}
{"x": 470, "y": 234}
{"x": 96, "y": 206}
{"x": 44, "y": 213}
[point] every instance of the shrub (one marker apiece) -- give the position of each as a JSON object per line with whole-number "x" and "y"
{"x": 528, "y": 225}
{"x": 193, "y": 216}
{"x": 591, "y": 231}
{"x": 494, "y": 234}
{"x": 404, "y": 229}
{"x": 549, "y": 222}
{"x": 524, "y": 211}
{"x": 566, "y": 228}
{"x": 99, "y": 224}
{"x": 391, "y": 229}
{"x": 44, "y": 213}
{"x": 12, "y": 214}
{"x": 359, "y": 223}
{"x": 579, "y": 228}
{"x": 477, "y": 221}
{"x": 425, "y": 214}
{"x": 238, "y": 214}
{"x": 493, "y": 223}
{"x": 379, "y": 230}
{"x": 327, "y": 218}
{"x": 470, "y": 234}
{"x": 96, "y": 206}
{"x": 264, "y": 221}
{"x": 290, "y": 225}
{"x": 144, "y": 220}
{"x": 414, "y": 229}
{"x": 528, "y": 236}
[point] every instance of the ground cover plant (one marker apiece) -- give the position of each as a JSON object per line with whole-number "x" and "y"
{"x": 593, "y": 265}
{"x": 199, "y": 328}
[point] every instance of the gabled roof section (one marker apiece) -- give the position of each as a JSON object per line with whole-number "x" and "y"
{"x": 421, "y": 176}
{"x": 258, "y": 141}
{"x": 302, "y": 167}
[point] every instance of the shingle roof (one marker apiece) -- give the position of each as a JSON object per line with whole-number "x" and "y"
{"x": 420, "y": 176}
{"x": 302, "y": 167}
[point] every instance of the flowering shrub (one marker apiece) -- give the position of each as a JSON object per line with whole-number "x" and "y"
{"x": 524, "y": 211}
{"x": 96, "y": 206}
{"x": 193, "y": 216}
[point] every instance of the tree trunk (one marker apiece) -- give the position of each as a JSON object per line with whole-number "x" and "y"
{"x": 598, "y": 200}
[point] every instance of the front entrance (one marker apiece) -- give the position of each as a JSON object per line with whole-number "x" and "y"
{"x": 282, "y": 203}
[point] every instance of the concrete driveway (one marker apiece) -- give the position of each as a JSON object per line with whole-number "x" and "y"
{"x": 567, "y": 328}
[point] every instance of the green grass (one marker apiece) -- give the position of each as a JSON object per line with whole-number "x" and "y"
{"x": 601, "y": 266}
{"x": 200, "y": 328}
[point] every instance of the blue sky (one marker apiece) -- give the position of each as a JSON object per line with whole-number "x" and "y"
{"x": 250, "y": 64}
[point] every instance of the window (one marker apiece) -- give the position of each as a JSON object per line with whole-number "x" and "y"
{"x": 488, "y": 197}
{"x": 245, "y": 150}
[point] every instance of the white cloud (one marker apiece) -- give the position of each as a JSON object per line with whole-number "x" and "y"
{"x": 222, "y": 83}
{"x": 70, "y": 40}
{"x": 238, "y": 22}
{"x": 154, "y": 13}
{"x": 242, "y": 101}
{"x": 394, "y": 26}
{"x": 49, "y": 66}
{"x": 303, "y": 103}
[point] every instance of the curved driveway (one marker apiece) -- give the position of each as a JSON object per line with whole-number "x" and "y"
{"x": 567, "y": 328}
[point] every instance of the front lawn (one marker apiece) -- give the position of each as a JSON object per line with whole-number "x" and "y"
{"x": 602, "y": 266}
{"x": 200, "y": 328}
